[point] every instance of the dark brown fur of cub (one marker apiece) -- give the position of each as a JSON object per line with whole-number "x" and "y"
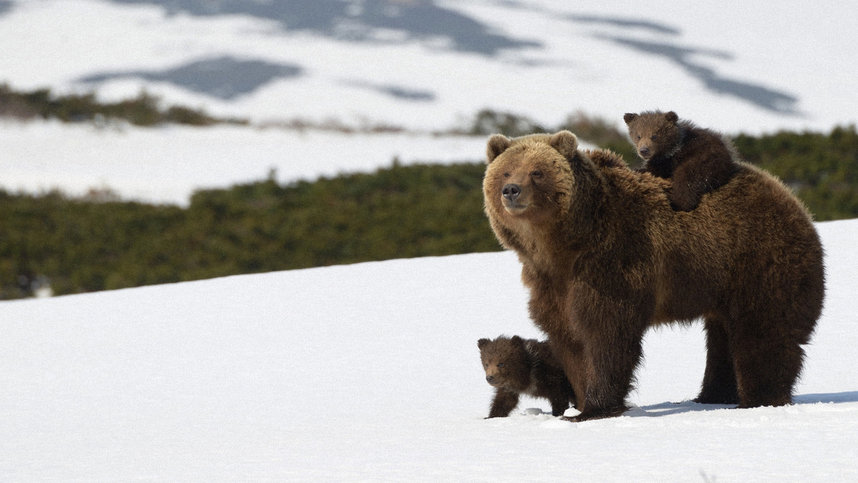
{"x": 697, "y": 160}
{"x": 516, "y": 366}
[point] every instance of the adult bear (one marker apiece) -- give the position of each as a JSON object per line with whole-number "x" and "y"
{"x": 605, "y": 257}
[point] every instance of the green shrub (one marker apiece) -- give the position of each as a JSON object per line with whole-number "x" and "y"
{"x": 100, "y": 242}
{"x": 142, "y": 110}
{"x": 821, "y": 168}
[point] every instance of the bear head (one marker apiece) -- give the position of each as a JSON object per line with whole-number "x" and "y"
{"x": 506, "y": 362}
{"x": 529, "y": 177}
{"x": 654, "y": 133}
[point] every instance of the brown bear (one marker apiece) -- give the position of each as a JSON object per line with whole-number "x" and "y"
{"x": 605, "y": 257}
{"x": 517, "y": 366}
{"x": 697, "y": 160}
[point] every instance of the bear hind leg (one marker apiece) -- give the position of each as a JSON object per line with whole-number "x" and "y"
{"x": 766, "y": 371}
{"x": 767, "y": 366}
{"x": 719, "y": 379}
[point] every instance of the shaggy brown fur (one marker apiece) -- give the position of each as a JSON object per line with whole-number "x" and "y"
{"x": 605, "y": 257}
{"x": 698, "y": 160}
{"x": 517, "y": 366}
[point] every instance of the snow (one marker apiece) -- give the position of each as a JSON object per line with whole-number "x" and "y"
{"x": 166, "y": 165}
{"x": 741, "y": 68}
{"x": 371, "y": 372}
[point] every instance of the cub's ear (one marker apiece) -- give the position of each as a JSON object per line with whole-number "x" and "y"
{"x": 530, "y": 346}
{"x": 565, "y": 143}
{"x": 629, "y": 117}
{"x": 671, "y": 117}
{"x": 498, "y": 143}
{"x": 517, "y": 340}
{"x": 482, "y": 343}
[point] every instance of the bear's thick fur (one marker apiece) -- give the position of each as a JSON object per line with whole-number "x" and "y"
{"x": 516, "y": 366}
{"x": 605, "y": 257}
{"x": 698, "y": 160}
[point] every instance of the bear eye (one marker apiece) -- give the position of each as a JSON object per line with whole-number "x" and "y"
{"x": 500, "y": 364}
{"x": 506, "y": 175}
{"x": 638, "y": 137}
{"x": 536, "y": 174}
{"x": 653, "y": 137}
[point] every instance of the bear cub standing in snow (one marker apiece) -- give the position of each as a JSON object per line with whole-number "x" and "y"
{"x": 697, "y": 160}
{"x": 517, "y": 366}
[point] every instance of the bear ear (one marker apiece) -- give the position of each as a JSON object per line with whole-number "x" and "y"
{"x": 517, "y": 340}
{"x": 671, "y": 117}
{"x": 629, "y": 117}
{"x": 565, "y": 143}
{"x": 482, "y": 343}
{"x": 498, "y": 143}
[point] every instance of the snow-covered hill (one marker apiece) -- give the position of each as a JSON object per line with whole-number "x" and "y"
{"x": 371, "y": 372}
{"x": 739, "y": 66}
{"x": 424, "y": 65}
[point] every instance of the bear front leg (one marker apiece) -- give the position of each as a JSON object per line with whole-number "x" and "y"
{"x": 505, "y": 401}
{"x": 685, "y": 193}
{"x": 614, "y": 363}
{"x": 559, "y": 404}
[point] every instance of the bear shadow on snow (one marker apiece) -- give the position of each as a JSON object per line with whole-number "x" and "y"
{"x": 605, "y": 257}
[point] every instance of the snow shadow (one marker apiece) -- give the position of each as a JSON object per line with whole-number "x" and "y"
{"x": 668, "y": 408}
{"x": 5, "y": 6}
{"x": 756, "y": 94}
{"x": 834, "y": 397}
{"x": 627, "y": 23}
{"x": 362, "y": 21}
{"x": 395, "y": 91}
{"x": 223, "y": 77}
{"x": 759, "y": 95}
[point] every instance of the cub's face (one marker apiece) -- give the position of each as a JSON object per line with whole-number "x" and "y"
{"x": 504, "y": 361}
{"x": 526, "y": 178}
{"x": 653, "y": 133}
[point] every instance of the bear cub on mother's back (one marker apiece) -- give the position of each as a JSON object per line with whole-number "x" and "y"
{"x": 697, "y": 160}
{"x": 517, "y": 366}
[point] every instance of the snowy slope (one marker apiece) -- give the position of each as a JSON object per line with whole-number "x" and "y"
{"x": 735, "y": 66}
{"x": 166, "y": 165}
{"x": 422, "y": 65}
{"x": 371, "y": 372}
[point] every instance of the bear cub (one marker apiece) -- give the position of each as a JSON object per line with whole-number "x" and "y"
{"x": 697, "y": 160}
{"x": 516, "y": 366}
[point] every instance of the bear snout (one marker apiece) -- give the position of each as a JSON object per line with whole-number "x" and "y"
{"x": 511, "y": 191}
{"x": 644, "y": 152}
{"x": 490, "y": 380}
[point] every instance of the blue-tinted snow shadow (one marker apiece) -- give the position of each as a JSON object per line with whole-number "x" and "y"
{"x": 832, "y": 397}
{"x": 362, "y": 21}
{"x": 396, "y": 91}
{"x": 669, "y": 408}
{"x": 768, "y": 98}
{"x": 223, "y": 77}
{"x": 759, "y": 95}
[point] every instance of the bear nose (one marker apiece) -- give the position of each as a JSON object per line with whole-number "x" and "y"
{"x": 644, "y": 151}
{"x": 511, "y": 191}
{"x": 490, "y": 379}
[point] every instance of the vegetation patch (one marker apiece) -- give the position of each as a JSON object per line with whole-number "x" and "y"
{"x": 100, "y": 242}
